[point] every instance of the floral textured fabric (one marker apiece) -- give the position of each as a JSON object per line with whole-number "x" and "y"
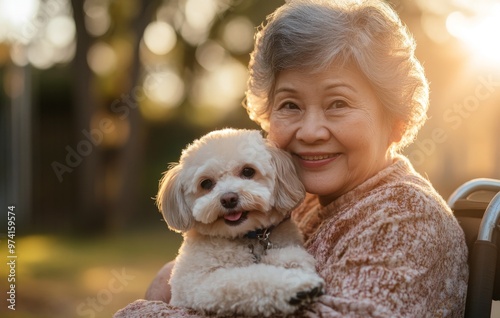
{"x": 389, "y": 248}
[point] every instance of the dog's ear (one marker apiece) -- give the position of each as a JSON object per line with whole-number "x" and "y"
{"x": 288, "y": 190}
{"x": 170, "y": 201}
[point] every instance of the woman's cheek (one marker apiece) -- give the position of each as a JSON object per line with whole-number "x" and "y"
{"x": 278, "y": 134}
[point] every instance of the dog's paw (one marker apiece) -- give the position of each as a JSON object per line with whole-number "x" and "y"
{"x": 306, "y": 297}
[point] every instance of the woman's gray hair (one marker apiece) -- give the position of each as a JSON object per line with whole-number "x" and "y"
{"x": 313, "y": 34}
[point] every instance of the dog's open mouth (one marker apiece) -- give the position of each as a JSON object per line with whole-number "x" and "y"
{"x": 235, "y": 218}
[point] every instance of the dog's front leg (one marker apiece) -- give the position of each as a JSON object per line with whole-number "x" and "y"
{"x": 292, "y": 256}
{"x": 255, "y": 290}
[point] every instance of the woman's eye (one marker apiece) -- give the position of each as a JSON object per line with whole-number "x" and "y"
{"x": 207, "y": 184}
{"x": 339, "y": 104}
{"x": 248, "y": 173}
{"x": 289, "y": 105}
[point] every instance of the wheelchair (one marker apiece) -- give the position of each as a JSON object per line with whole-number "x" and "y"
{"x": 476, "y": 205}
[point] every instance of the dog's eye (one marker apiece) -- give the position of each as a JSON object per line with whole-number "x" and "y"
{"x": 207, "y": 184}
{"x": 248, "y": 173}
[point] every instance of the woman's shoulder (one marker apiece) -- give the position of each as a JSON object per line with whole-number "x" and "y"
{"x": 408, "y": 186}
{"x": 410, "y": 195}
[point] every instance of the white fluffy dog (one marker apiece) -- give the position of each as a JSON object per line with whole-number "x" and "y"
{"x": 231, "y": 195}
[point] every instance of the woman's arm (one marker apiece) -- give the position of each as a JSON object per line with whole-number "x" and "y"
{"x": 159, "y": 289}
{"x": 157, "y": 298}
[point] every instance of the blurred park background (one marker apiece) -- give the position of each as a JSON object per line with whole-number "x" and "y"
{"x": 98, "y": 96}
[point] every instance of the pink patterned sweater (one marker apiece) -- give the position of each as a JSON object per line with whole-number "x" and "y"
{"x": 389, "y": 248}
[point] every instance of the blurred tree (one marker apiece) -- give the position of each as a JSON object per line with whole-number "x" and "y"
{"x": 88, "y": 213}
{"x": 131, "y": 157}
{"x": 108, "y": 187}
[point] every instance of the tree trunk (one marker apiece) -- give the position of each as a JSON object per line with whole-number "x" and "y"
{"x": 88, "y": 216}
{"x": 131, "y": 155}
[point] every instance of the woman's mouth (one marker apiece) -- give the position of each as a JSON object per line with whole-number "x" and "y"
{"x": 316, "y": 157}
{"x": 316, "y": 160}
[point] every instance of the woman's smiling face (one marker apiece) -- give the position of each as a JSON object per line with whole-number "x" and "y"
{"x": 333, "y": 125}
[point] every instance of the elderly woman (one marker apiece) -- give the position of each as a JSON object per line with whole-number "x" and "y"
{"x": 337, "y": 84}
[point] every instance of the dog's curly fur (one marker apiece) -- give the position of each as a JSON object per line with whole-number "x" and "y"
{"x": 229, "y": 184}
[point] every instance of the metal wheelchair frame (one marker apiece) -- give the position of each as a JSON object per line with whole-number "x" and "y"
{"x": 483, "y": 285}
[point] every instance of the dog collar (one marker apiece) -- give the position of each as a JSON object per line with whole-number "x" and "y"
{"x": 262, "y": 235}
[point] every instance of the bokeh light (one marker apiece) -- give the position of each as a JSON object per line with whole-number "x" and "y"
{"x": 221, "y": 89}
{"x": 160, "y": 37}
{"x": 61, "y": 31}
{"x": 210, "y": 55}
{"x": 97, "y": 19}
{"x": 41, "y": 53}
{"x": 238, "y": 35}
{"x": 199, "y": 15}
{"x": 164, "y": 87}
{"x": 102, "y": 58}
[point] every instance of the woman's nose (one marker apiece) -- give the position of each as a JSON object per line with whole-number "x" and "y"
{"x": 313, "y": 128}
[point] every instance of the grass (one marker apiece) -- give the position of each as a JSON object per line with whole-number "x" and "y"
{"x": 61, "y": 276}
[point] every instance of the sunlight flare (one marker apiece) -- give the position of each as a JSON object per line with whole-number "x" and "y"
{"x": 478, "y": 32}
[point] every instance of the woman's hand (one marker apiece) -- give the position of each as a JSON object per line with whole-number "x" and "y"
{"x": 159, "y": 289}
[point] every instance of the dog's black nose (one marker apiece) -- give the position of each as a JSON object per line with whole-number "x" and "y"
{"x": 229, "y": 200}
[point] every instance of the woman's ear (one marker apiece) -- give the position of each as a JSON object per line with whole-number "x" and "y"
{"x": 170, "y": 201}
{"x": 288, "y": 190}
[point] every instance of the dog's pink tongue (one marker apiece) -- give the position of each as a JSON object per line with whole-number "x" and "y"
{"x": 235, "y": 216}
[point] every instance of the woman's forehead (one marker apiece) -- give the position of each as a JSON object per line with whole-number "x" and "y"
{"x": 347, "y": 75}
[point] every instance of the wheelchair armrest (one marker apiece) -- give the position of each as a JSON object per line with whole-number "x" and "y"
{"x": 474, "y": 185}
